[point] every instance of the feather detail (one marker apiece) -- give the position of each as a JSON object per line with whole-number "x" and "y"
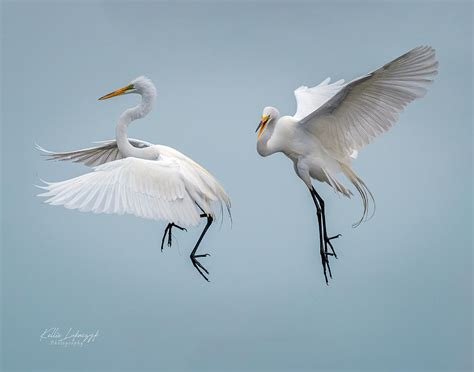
{"x": 364, "y": 192}
{"x": 168, "y": 189}
{"x": 106, "y": 151}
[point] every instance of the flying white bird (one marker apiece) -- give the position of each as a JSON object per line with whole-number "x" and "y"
{"x": 334, "y": 121}
{"x": 136, "y": 177}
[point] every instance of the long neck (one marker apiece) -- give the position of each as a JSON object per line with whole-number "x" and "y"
{"x": 263, "y": 146}
{"x": 125, "y": 119}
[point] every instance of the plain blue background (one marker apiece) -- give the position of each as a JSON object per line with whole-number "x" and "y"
{"x": 401, "y": 298}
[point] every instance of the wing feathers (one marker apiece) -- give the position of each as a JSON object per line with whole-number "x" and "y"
{"x": 310, "y": 99}
{"x": 369, "y": 106}
{"x": 166, "y": 189}
{"x": 148, "y": 189}
{"x": 93, "y": 156}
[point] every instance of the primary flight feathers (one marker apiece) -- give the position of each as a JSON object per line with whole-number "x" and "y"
{"x": 92, "y": 156}
{"x": 160, "y": 190}
{"x": 347, "y": 117}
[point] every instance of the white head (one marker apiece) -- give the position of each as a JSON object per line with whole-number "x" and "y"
{"x": 141, "y": 85}
{"x": 270, "y": 116}
{"x": 144, "y": 86}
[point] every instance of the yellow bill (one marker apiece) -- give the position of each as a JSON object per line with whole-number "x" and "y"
{"x": 118, "y": 92}
{"x": 262, "y": 124}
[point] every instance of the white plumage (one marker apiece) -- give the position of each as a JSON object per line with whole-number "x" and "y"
{"x": 155, "y": 182}
{"x": 334, "y": 121}
{"x": 310, "y": 99}
{"x": 135, "y": 177}
{"x": 92, "y": 156}
{"x": 169, "y": 189}
{"x": 366, "y": 107}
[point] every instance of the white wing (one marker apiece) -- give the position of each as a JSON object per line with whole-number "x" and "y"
{"x": 310, "y": 99}
{"x": 369, "y": 106}
{"x": 166, "y": 189}
{"x": 93, "y": 156}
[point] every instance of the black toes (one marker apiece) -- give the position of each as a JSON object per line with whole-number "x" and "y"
{"x": 327, "y": 242}
{"x": 199, "y": 266}
{"x": 168, "y": 232}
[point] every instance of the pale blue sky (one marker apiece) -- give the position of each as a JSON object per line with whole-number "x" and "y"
{"x": 401, "y": 298}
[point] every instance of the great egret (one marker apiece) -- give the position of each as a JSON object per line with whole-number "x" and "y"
{"x": 136, "y": 177}
{"x": 334, "y": 121}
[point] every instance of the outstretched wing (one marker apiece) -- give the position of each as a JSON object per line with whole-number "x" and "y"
{"x": 310, "y": 99}
{"x": 157, "y": 190}
{"x": 369, "y": 106}
{"x": 93, "y": 156}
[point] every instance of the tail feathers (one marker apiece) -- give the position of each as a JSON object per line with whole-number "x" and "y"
{"x": 364, "y": 192}
{"x": 336, "y": 185}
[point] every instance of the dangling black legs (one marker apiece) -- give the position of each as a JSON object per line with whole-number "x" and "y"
{"x": 324, "y": 258}
{"x": 168, "y": 231}
{"x": 327, "y": 239}
{"x": 193, "y": 256}
{"x": 324, "y": 240}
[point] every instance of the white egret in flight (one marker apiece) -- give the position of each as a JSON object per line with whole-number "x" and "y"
{"x": 136, "y": 177}
{"x": 334, "y": 121}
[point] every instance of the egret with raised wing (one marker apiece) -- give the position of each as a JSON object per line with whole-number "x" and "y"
{"x": 335, "y": 121}
{"x": 132, "y": 176}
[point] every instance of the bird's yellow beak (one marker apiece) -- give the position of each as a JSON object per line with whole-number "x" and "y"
{"x": 118, "y": 92}
{"x": 262, "y": 124}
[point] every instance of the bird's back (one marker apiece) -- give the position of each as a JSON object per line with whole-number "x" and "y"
{"x": 201, "y": 184}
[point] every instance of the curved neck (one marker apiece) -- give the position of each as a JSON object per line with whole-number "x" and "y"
{"x": 129, "y": 115}
{"x": 263, "y": 147}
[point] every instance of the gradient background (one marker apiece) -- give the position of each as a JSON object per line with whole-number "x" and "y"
{"x": 401, "y": 298}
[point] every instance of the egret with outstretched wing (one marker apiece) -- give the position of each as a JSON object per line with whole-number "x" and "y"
{"x": 136, "y": 177}
{"x": 334, "y": 121}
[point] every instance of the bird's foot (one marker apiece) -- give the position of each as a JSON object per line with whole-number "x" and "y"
{"x": 326, "y": 267}
{"x": 325, "y": 256}
{"x": 168, "y": 232}
{"x": 327, "y": 242}
{"x": 201, "y": 269}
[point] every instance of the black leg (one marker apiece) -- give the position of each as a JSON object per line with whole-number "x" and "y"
{"x": 327, "y": 240}
{"x": 193, "y": 256}
{"x": 324, "y": 240}
{"x": 322, "y": 250}
{"x": 168, "y": 231}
